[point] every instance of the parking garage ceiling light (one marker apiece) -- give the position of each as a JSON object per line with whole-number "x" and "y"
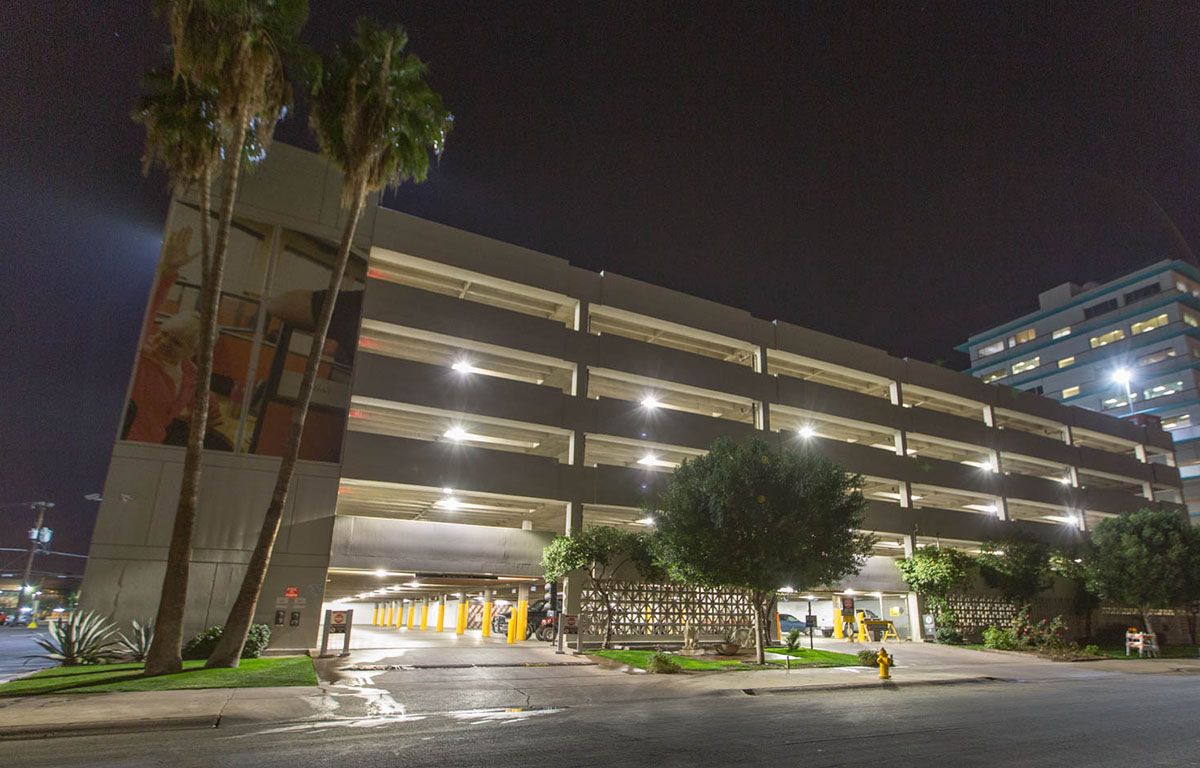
{"x": 650, "y": 401}
{"x": 646, "y": 521}
{"x": 807, "y": 432}
{"x": 650, "y": 460}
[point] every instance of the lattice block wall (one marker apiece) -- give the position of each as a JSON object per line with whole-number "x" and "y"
{"x": 660, "y": 610}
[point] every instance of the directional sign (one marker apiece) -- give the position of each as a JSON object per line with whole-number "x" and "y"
{"x": 291, "y": 592}
{"x": 337, "y": 622}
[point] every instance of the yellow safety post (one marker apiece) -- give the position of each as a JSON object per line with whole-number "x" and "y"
{"x": 387, "y": 616}
{"x": 522, "y": 618}
{"x": 412, "y": 611}
{"x": 860, "y": 619}
{"x": 778, "y": 626}
{"x": 399, "y": 613}
{"x": 441, "y": 619}
{"x": 512, "y": 624}
{"x": 839, "y": 631}
{"x": 486, "y": 629}
{"x": 32, "y": 623}
{"x": 375, "y": 616}
{"x": 424, "y": 615}
{"x": 461, "y": 627}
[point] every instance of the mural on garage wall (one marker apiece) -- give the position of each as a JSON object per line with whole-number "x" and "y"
{"x": 275, "y": 281}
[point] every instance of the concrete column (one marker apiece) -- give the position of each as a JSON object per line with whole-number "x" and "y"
{"x": 461, "y": 626}
{"x": 895, "y": 393}
{"x": 522, "y": 611}
{"x": 441, "y": 614}
{"x": 1139, "y": 451}
{"x": 1068, "y": 435}
{"x": 412, "y": 611}
{"x": 989, "y": 415}
{"x": 900, "y": 437}
{"x": 400, "y": 614}
{"x": 906, "y": 499}
{"x": 915, "y": 609}
{"x": 425, "y": 614}
{"x": 1002, "y": 508}
{"x": 486, "y": 628}
{"x": 375, "y": 616}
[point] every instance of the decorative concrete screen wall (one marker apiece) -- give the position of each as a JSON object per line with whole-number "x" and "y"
{"x": 658, "y": 611}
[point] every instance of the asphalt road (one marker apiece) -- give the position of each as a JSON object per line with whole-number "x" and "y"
{"x": 16, "y": 646}
{"x": 1129, "y": 720}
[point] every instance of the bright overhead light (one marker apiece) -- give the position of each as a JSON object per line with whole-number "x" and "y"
{"x": 849, "y": 592}
{"x": 1122, "y": 376}
{"x": 650, "y": 460}
{"x": 462, "y": 366}
{"x": 981, "y": 507}
{"x": 456, "y": 434}
{"x": 450, "y": 503}
{"x": 650, "y": 401}
{"x": 413, "y": 583}
{"x": 1065, "y": 480}
{"x": 787, "y": 590}
{"x": 807, "y": 432}
{"x": 646, "y": 521}
{"x": 381, "y": 573}
{"x": 810, "y": 597}
{"x": 447, "y": 490}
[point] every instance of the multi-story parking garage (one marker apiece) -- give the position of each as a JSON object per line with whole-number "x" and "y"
{"x": 483, "y": 397}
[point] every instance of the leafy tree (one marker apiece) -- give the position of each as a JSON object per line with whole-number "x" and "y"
{"x": 1142, "y": 560}
{"x": 378, "y": 120}
{"x": 607, "y": 554}
{"x": 229, "y": 54}
{"x": 751, "y": 516}
{"x": 933, "y": 573}
{"x": 1072, "y": 565}
{"x": 1016, "y": 566}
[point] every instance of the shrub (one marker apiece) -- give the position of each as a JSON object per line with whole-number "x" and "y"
{"x": 201, "y": 646}
{"x": 661, "y": 663}
{"x": 948, "y": 636}
{"x": 1092, "y": 650}
{"x": 793, "y": 639}
{"x": 81, "y": 638}
{"x": 867, "y": 658}
{"x": 136, "y": 645}
{"x": 1000, "y": 638}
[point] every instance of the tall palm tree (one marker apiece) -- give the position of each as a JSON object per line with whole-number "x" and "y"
{"x": 234, "y": 50}
{"x": 378, "y": 120}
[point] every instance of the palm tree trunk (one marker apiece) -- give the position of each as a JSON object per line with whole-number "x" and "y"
{"x": 165, "y": 651}
{"x": 757, "y": 599}
{"x": 228, "y": 650}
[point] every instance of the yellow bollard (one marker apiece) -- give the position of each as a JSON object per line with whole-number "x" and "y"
{"x": 522, "y": 619}
{"x": 412, "y": 611}
{"x": 387, "y": 620}
{"x": 424, "y": 615}
{"x": 778, "y": 626}
{"x": 861, "y": 620}
{"x": 462, "y": 616}
{"x": 839, "y": 631}
{"x": 32, "y": 624}
{"x": 512, "y": 625}
{"x": 441, "y": 619}
{"x": 399, "y": 614}
{"x": 375, "y": 616}
{"x": 486, "y": 629}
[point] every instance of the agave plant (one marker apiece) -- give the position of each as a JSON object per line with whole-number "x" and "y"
{"x": 136, "y": 644}
{"x": 81, "y": 638}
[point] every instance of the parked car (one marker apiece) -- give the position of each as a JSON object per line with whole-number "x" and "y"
{"x": 537, "y": 611}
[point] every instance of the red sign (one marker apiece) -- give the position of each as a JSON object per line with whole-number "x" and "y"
{"x": 290, "y": 592}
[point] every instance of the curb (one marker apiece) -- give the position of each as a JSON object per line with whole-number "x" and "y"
{"x": 890, "y": 685}
{"x": 58, "y": 730}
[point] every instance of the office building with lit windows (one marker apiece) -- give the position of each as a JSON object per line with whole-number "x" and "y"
{"x": 480, "y": 398}
{"x": 1128, "y": 348}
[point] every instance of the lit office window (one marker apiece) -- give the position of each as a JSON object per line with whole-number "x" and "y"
{"x": 1178, "y": 421}
{"x": 1157, "y": 356}
{"x": 1070, "y": 392}
{"x": 1115, "y": 402}
{"x": 1061, "y": 332}
{"x": 1191, "y": 320}
{"x": 991, "y": 349}
{"x": 1026, "y": 365}
{"x": 1115, "y": 334}
{"x": 1066, "y": 362}
{"x": 1149, "y": 324}
{"x": 1020, "y": 337}
{"x": 995, "y": 375}
{"x": 1162, "y": 390}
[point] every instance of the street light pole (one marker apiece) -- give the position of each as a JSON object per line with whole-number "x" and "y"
{"x": 41, "y": 507}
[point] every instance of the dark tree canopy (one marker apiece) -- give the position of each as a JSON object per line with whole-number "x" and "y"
{"x": 1018, "y": 567}
{"x": 1143, "y": 559}
{"x": 749, "y": 516}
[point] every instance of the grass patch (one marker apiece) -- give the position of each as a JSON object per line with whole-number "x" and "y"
{"x": 801, "y": 657}
{"x": 1166, "y": 652}
{"x": 271, "y": 672}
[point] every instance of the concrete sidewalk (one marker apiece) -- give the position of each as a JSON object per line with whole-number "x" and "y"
{"x": 374, "y": 686}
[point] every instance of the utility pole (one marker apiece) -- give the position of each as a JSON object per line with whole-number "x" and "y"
{"x": 34, "y": 539}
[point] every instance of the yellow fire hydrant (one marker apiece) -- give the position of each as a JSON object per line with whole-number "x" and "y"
{"x": 885, "y": 662}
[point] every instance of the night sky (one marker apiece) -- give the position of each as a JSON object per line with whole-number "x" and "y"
{"x": 902, "y": 175}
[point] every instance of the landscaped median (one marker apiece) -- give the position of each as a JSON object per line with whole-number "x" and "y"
{"x": 800, "y": 658}
{"x": 269, "y": 672}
